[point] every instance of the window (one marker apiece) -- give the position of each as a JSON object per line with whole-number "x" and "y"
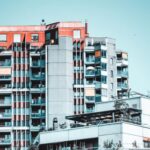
{"x": 34, "y": 37}
{"x": 76, "y": 34}
{"x": 56, "y": 35}
{"x": 104, "y": 79}
{"x": 111, "y": 73}
{"x": 3, "y": 38}
{"x": 48, "y": 36}
{"x": 104, "y": 92}
{"x": 146, "y": 144}
{"x": 104, "y": 54}
{"x": 17, "y": 38}
{"x": 104, "y": 66}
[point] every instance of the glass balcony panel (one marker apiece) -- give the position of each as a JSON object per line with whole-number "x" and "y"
{"x": 5, "y": 63}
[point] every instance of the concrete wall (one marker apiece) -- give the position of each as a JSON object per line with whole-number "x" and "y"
{"x": 111, "y": 55}
{"x": 59, "y": 80}
{"x": 145, "y": 106}
{"x": 125, "y": 133}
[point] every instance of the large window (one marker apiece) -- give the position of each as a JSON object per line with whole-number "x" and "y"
{"x": 3, "y": 38}
{"x": 34, "y": 37}
{"x": 76, "y": 34}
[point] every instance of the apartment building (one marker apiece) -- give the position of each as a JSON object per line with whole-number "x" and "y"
{"x": 48, "y": 72}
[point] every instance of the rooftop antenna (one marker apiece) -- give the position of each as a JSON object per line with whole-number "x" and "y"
{"x": 43, "y": 23}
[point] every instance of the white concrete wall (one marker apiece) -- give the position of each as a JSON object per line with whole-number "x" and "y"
{"x": 125, "y": 132}
{"x": 109, "y": 132}
{"x": 145, "y": 106}
{"x": 131, "y": 134}
{"x": 59, "y": 81}
{"x": 68, "y": 135}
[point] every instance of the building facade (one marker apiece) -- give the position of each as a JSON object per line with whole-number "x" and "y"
{"x": 48, "y": 72}
{"x": 107, "y": 129}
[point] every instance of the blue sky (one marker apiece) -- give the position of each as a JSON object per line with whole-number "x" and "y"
{"x": 128, "y": 21}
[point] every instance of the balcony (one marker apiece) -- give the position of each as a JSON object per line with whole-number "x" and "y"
{"x": 39, "y": 76}
{"x": 36, "y": 102}
{"x": 97, "y": 72}
{"x": 90, "y": 110}
{"x": 90, "y": 73}
{"x": 5, "y": 141}
{"x": 4, "y": 102}
{"x": 38, "y": 115}
{"x": 89, "y": 48}
{"x": 122, "y": 74}
{"x": 5, "y": 77}
{"x": 5, "y": 115}
{"x": 5, "y": 124}
{"x": 6, "y": 63}
{"x": 5, "y": 86}
{"x": 97, "y": 84}
{"x": 90, "y": 99}
{"x": 122, "y": 85}
{"x": 38, "y": 63}
{"x": 97, "y": 60}
{"x": 122, "y": 62}
{"x": 90, "y": 60}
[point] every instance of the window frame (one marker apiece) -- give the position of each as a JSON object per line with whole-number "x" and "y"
{"x": 5, "y": 37}
{"x": 34, "y": 35}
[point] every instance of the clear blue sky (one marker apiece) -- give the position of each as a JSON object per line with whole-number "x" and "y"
{"x": 128, "y": 21}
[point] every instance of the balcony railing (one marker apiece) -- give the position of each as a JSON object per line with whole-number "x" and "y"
{"x": 97, "y": 84}
{"x": 38, "y": 63}
{"x": 5, "y": 115}
{"x": 122, "y": 61}
{"x": 38, "y": 76}
{"x": 37, "y": 115}
{"x": 38, "y": 102}
{"x": 122, "y": 73}
{"x": 90, "y": 73}
{"x": 4, "y": 141}
{"x": 4, "y": 77}
{"x": 5, "y": 124}
{"x": 89, "y": 110}
{"x": 5, "y": 63}
{"x": 5, "y": 86}
{"x": 122, "y": 85}
{"x": 4, "y": 102}
{"x": 90, "y": 98}
{"x": 90, "y": 60}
